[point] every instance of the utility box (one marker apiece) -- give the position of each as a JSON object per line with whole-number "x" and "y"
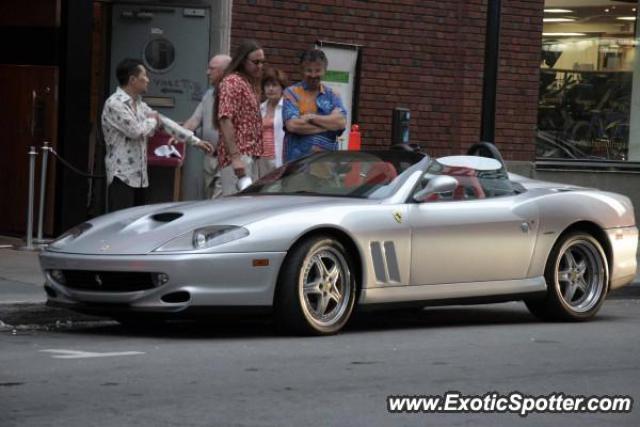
{"x": 400, "y": 126}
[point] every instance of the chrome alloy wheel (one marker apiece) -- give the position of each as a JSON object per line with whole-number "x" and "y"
{"x": 325, "y": 284}
{"x": 580, "y": 275}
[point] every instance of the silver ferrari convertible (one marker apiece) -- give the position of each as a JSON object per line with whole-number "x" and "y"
{"x": 321, "y": 236}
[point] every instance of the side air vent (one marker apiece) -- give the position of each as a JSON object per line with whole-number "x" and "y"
{"x": 392, "y": 261}
{"x": 166, "y": 216}
{"x": 385, "y": 262}
{"x": 378, "y": 262}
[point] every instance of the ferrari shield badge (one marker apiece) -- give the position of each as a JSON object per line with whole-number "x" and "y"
{"x": 397, "y": 215}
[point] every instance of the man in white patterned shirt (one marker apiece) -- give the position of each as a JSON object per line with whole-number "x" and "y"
{"x": 127, "y": 122}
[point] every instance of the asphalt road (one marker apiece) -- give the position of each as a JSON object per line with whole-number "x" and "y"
{"x": 227, "y": 373}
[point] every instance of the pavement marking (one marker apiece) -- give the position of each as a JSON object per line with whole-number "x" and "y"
{"x": 75, "y": 354}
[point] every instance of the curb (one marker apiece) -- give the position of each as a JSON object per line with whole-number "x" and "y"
{"x": 626, "y": 292}
{"x": 21, "y": 316}
{"x": 31, "y": 315}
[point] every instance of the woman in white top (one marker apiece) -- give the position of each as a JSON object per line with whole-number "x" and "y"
{"x": 273, "y": 83}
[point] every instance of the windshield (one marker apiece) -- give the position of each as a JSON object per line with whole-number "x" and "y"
{"x": 361, "y": 174}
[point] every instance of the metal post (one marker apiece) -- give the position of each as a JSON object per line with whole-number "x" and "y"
{"x": 32, "y": 173}
{"x": 43, "y": 191}
{"x": 490, "y": 79}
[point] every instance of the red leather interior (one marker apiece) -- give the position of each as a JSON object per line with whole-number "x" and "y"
{"x": 467, "y": 179}
{"x": 380, "y": 173}
{"x": 353, "y": 178}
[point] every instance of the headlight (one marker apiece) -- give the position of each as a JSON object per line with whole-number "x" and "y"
{"x": 204, "y": 238}
{"x": 70, "y": 235}
{"x": 214, "y": 236}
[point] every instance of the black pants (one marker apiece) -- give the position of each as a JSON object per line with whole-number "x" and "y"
{"x": 121, "y": 196}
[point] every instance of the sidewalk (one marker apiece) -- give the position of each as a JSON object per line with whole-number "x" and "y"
{"x": 22, "y": 296}
{"x": 21, "y": 281}
{"x": 20, "y": 277}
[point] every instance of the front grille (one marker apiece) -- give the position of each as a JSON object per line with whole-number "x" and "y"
{"x": 108, "y": 281}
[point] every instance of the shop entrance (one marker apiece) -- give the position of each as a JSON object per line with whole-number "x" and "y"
{"x": 173, "y": 43}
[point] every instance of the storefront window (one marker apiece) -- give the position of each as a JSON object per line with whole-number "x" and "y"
{"x": 587, "y": 108}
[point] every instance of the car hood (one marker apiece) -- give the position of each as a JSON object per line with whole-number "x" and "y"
{"x": 143, "y": 229}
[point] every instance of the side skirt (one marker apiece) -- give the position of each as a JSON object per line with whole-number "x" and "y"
{"x": 515, "y": 289}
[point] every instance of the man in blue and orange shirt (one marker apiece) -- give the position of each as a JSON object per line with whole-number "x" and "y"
{"x": 314, "y": 115}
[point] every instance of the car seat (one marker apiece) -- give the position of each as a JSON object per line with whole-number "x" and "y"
{"x": 380, "y": 173}
{"x": 467, "y": 180}
{"x": 377, "y": 173}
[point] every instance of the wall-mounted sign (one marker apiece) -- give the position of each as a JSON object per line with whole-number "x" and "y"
{"x": 343, "y": 77}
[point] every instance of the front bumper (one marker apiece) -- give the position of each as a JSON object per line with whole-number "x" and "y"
{"x": 210, "y": 280}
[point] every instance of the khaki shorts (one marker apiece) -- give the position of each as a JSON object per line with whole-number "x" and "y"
{"x": 211, "y": 175}
{"x": 264, "y": 165}
{"x": 229, "y": 180}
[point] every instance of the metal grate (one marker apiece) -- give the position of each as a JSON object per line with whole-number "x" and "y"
{"x": 392, "y": 262}
{"x": 385, "y": 262}
{"x": 108, "y": 281}
{"x": 378, "y": 262}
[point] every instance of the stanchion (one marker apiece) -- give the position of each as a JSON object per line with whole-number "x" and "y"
{"x": 46, "y": 149}
{"x": 32, "y": 174}
{"x": 43, "y": 192}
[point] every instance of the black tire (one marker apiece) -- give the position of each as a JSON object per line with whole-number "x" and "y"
{"x": 322, "y": 266}
{"x": 577, "y": 276}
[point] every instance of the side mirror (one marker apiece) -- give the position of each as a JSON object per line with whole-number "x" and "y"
{"x": 437, "y": 184}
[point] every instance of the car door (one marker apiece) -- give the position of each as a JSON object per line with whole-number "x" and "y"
{"x": 472, "y": 240}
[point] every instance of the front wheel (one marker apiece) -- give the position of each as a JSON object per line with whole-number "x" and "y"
{"x": 316, "y": 290}
{"x": 577, "y": 277}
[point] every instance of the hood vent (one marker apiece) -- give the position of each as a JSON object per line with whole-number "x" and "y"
{"x": 166, "y": 216}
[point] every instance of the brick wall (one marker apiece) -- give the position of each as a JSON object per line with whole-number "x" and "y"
{"x": 426, "y": 55}
{"x": 518, "y": 78}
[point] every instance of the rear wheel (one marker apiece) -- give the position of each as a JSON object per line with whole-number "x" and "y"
{"x": 317, "y": 290}
{"x": 577, "y": 277}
